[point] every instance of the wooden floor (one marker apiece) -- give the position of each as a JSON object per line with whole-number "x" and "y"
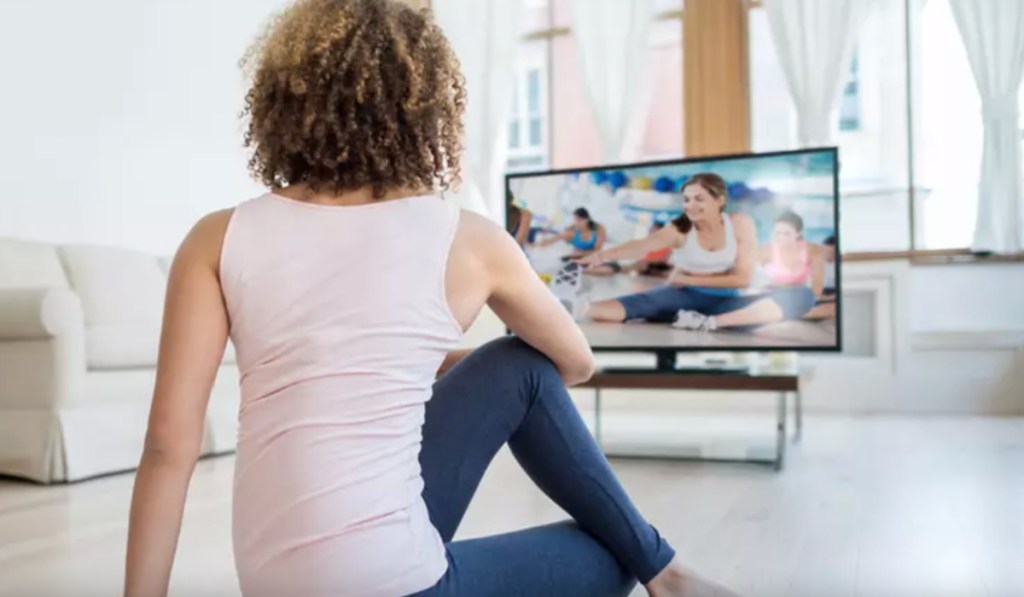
{"x": 867, "y": 507}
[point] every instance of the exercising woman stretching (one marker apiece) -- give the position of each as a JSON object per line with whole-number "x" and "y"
{"x": 715, "y": 254}
{"x": 345, "y": 290}
{"x": 585, "y": 235}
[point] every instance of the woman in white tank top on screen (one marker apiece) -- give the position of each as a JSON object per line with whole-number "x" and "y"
{"x": 714, "y": 256}
{"x": 345, "y": 290}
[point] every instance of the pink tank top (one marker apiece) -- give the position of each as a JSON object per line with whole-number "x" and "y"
{"x": 780, "y": 275}
{"x": 340, "y": 321}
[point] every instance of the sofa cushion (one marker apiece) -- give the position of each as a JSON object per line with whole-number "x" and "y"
{"x": 122, "y": 294}
{"x": 28, "y": 264}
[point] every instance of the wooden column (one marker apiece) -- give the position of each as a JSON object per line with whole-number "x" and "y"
{"x": 716, "y": 81}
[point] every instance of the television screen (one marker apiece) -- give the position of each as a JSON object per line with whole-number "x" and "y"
{"x": 724, "y": 253}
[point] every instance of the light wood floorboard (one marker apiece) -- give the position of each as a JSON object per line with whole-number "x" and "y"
{"x": 867, "y": 507}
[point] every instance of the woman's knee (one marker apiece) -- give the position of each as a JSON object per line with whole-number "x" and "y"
{"x": 794, "y": 303}
{"x": 512, "y": 352}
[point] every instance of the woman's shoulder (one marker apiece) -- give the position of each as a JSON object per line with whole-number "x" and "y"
{"x": 479, "y": 239}
{"x": 211, "y": 228}
{"x": 742, "y": 222}
{"x": 203, "y": 243}
{"x": 478, "y": 230}
{"x": 740, "y": 218}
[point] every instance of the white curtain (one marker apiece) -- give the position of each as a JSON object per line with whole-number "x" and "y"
{"x": 613, "y": 38}
{"x": 485, "y": 35}
{"x": 815, "y": 39}
{"x": 993, "y": 33}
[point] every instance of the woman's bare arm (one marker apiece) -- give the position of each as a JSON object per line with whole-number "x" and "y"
{"x": 817, "y": 269}
{"x": 195, "y": 332}
{"x": 668, "y": 237}
{"x": 565, "y": 235}
{"x": 602, "y": 237}
{"x": 517, "y": 296}
{"x": 523, "y": 233}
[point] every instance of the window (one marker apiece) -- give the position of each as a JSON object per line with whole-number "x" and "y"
{"x": 880, "y": 127}
{"x": 527, "y": 126}
{"x": 870, "y": 125}
{"x": 659, "y": 123}
{"x": 551, "y": 104}
{"x": 849, "y": 101}
{"x": 947, "y": 132}
{"x": 663, "y": 125}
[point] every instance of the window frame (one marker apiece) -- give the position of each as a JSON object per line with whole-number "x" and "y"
{"x": 538, "y": 156}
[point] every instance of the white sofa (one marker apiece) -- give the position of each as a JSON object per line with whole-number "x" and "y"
{"x": 79, "y": 333}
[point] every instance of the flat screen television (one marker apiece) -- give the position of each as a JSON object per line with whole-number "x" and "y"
{"x": 724, "y": 253}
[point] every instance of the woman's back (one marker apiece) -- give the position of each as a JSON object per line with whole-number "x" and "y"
{"x": 340, "y": 322}
{"x": 334, "y": 291}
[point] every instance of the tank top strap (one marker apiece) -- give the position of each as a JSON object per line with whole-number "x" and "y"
{"x": 730, "y": 232}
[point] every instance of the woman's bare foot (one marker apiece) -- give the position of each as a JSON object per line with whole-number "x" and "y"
{"x": 677, "y": 581}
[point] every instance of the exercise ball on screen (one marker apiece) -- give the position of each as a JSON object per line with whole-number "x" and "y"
{"x": 599, "y": 177}
{"x": 642, "y": 183}
{"x": 738, "y": 190}
{"x": 664, "y": 184}
{"x": 762, "y": 194}
{"x": 618, "y": 179}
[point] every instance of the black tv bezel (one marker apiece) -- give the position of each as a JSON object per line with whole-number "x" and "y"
{"x": 834, "y": 150}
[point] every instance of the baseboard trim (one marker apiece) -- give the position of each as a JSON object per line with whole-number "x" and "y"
{"x": 956, "y": 340}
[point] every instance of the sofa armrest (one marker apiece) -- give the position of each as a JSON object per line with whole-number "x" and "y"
{"x": 42, "y": 348}
{"x": 37, "y": 313}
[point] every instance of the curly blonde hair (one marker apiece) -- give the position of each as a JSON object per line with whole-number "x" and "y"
{"x": 351, "y": 94}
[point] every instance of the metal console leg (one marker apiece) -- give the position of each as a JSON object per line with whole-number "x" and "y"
{"x": 798, "y": 407}
{"x": 780, "y": 440}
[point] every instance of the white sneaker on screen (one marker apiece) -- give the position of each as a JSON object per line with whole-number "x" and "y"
{"x": 692, "y": 320}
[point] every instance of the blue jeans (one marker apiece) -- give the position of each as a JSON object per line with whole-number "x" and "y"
{"x": 506, "y": 391}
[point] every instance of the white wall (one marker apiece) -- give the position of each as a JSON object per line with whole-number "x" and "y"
{"x": 118, "y": 119}
{"x": 974, "y": 297}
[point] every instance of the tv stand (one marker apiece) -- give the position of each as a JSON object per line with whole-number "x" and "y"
{"x": 666, "y": 365}
{"x": 783, "y": 382}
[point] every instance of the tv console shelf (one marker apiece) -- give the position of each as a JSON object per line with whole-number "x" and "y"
{"x": 781, "y": 381}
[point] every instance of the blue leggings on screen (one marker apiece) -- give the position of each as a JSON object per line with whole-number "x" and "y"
{"x": 661, "y": 304}
{"x": 795, "y": 301}
{"x": 508, "y": 392}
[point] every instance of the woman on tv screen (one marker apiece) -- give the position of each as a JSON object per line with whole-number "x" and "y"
{"x": 715, "y": 254}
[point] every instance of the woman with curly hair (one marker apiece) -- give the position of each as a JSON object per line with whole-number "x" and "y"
{"x": 346, "y": 290}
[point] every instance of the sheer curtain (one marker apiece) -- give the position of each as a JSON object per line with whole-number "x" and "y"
{"x": 485, "y": 36}
{"x": 814, "y": 39}
{"x": 612, "y": 37}
{"x": 993, "y": 33}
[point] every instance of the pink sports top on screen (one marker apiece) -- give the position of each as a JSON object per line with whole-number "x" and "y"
{"x": 780, "y": 275}
{"x": 340, "y": 322}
